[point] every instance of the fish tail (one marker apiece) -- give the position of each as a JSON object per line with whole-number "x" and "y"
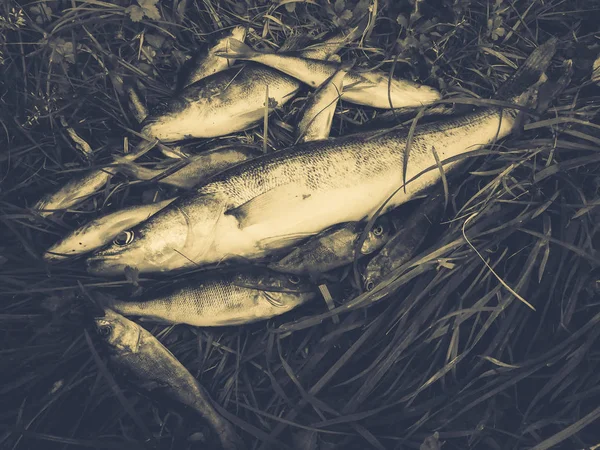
{"x": 236, "y": 49}
{"x": 523, "y": 84}
{"x": 136, "y": 171}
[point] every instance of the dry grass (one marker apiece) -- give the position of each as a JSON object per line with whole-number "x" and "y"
{"x": 443, "y": 344}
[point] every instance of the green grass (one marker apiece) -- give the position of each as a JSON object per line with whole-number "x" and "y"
{"x": 445, "y": 343}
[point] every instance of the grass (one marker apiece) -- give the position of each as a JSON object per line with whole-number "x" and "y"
{"x": 446, "y": 343}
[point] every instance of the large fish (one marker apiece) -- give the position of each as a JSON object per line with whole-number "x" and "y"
{"x": 222, "y": 299}
{"x": 318, "y": 111}
{"x": 81, "y": 187}
{"x": 370, "y": 88}
{"x": 226, "y": 102}
{"x": 409, "y": 236}
{"x": 275, "y": 200}
{"x": 137, "y": 352}
{"x": 333, "y": 248}
{"x": 205, "y": 62}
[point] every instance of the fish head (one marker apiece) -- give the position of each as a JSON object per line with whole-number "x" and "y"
{"x": 378, "y": 235}
{"x": 177, "y": 236}
{"x": 119, "y": 333}
{"x": 278, "y": 290}
{"x": 166, "y": 120}
{"x": 374, "y": 271}
{"x": 78, "y": 242}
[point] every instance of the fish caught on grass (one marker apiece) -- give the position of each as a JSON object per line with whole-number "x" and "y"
{"x": 404, "y": 244}
{"x": 275, "y": 200}
{"x": 222, "y": 299}
{"x": 226, "y": 102}
{"x": 319, "y": 109}
{"x": 334, "y": 248}
{"x": 152, "y": 367}
{"x": 373, "y": 89}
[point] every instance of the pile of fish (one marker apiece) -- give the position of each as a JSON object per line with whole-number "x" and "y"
{"x": 296, "y": 213}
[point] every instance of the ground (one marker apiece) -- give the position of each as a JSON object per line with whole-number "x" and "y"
{"x": 488, "y": 337}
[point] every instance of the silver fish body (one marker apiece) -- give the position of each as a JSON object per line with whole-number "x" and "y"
{"x": 318, "y": 112}
{"x": 199, "y": 168}
{"x": 99, "y": 232}
{"x": 224, "y": 103}
{"x": 205, "y": 62}
{"x": 274, "y": 201}
{"x": 141, "y": 355}
{"x": 409, "y": 236}
{"x": 222, "y": 299}
{"x": 370, "y": 88}
{"x": 333, "y": 248}
{"x": 297, "y": 191}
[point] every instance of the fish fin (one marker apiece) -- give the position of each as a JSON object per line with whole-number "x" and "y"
{"x": 528, "y": 75}
{"x": 266, "y": 206}
{"x": 236, "y": 49}
{"x": 289, "y": 239}
{"x": 272, "y": 300}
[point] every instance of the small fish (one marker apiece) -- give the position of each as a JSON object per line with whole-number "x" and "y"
{"x": 318, "y": 112}
{"x": 274, "y": 201}
{"x": 153, "y": 367}
{"x": 370, "y": 88}
{"x": 101, "y": 231}
{"x": 333, "y": 248}
{"x": 200, "y": 167}
{"x": 83, "y": 186}
{"x": 222, "y": 299}
{"x": 409, "y": 236}
{"x": 226, "y": 102}
{"x": 205, "y": 62}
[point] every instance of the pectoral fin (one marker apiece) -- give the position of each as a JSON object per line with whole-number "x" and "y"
{"x": 269, "y": 206}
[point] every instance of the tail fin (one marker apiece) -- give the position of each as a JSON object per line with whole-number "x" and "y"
{"x": 517, "y": 88}
{"x": 237, "y": 50}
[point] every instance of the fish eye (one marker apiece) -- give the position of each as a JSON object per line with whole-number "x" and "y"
{"x": 104, "y": 330}
{"x": 369, "y": 285}
{"x": 378, "y": 231}
{"x": 124, "y": 238}
{"x": 294, "y": 279}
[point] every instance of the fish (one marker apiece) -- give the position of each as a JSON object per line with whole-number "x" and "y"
{"x": 199, "y": 167}
{"x": 403, "y": 245}
{"x": 205, "y": 63}
{"x": 276, "y": 200}
{"x": 226, "y": 102}
{"x": 373, "y": 89}
{"x": 151, "y": 366}
{"x": 99, "y": 232}
{"x": 318, "y": 112}
{"x": 222, "y": 299}
{"x": 333, "y": 248}
{"x": 81, "y": 187}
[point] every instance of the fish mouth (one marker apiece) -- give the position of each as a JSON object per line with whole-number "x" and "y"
{"x": 54, "y": 257}
{"x": 104, "y": 265}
